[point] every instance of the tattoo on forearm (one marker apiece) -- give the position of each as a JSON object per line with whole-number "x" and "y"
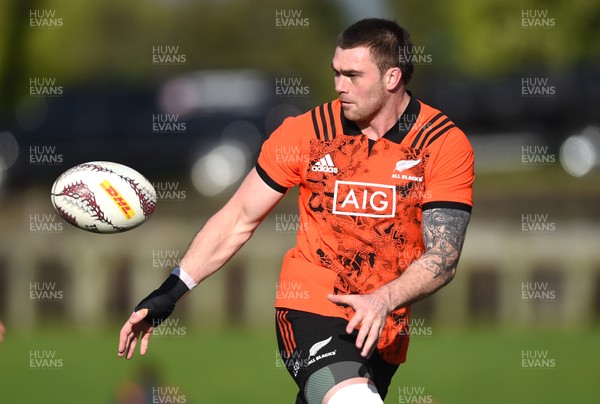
{"x": 443, "y": 235}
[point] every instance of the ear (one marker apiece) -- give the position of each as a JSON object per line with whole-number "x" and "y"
{"x": 392, "y": 78}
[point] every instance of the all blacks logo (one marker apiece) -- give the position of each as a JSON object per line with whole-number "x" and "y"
{"x": 364, "y": 199}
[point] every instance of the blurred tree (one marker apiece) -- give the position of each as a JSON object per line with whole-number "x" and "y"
{"x": 13, "y": 51}
{"x": 485, "y": 39}
{"x": 107, "y": 40}
{"x": 112, "y": 41}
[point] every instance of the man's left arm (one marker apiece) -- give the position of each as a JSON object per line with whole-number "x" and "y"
{"x": 443, "y": 235}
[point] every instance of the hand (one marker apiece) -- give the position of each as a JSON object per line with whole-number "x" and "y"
{"x": 370, "y": 313}
{"x": 134, "y": 329}
{"x": 1, "y": 331}
{"x": 150, "y": 312}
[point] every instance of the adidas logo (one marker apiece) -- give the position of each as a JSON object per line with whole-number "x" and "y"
{"x": 325, "y": 165}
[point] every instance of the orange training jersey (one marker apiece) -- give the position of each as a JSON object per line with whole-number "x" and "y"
{"x": 361, "y": 201}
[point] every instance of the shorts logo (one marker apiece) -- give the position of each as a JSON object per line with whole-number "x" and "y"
{"x": 314, "y": 350}
{"x": 403, "y": 165}
{"x": 318, "y": 346}
{"x": 364, "y": 199}
{"x": 325, "y": 165}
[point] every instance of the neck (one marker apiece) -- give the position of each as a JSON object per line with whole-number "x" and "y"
{"x": 387, "y": 117}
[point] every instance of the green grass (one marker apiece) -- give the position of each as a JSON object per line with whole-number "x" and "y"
{"x": 481, "y": 365}
{"x": 484, "y": 366}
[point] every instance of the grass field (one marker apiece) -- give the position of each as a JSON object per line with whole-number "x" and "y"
{"x": 240, "y": 366}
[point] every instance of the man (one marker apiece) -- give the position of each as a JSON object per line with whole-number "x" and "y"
{"x": 385, "y": 198}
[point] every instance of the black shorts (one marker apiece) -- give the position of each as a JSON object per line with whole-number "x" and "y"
{"x": 309, "y": 342}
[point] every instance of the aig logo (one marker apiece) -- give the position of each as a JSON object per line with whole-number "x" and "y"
{"x": 364, "y": 199}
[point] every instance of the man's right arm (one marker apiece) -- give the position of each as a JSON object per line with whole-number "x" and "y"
{"x": 220, "y": 238}
{"x": 229, "y": 229}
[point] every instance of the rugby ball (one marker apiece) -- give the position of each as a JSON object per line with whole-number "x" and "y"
{"x": 103, "y": 197}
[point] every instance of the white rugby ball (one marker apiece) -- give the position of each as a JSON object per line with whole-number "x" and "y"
{"x": 103, "y": 197}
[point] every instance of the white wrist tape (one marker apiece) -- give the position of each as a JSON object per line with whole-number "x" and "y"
{"x": 185, "y": 277}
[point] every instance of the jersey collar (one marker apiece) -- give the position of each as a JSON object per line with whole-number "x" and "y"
{"x": 398, "y": 131}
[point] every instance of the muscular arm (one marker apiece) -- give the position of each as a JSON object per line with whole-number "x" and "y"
{"x": 220, "y": 238}
{"x": 229, "y": 229}
{"x": 443, "y": 235}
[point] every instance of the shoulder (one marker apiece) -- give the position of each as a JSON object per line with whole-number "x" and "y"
{"x": 437, "y": 130}
{"x": 319, "y": 122}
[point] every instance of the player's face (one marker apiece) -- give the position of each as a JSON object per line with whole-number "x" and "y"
{"x": 358, "y": 84}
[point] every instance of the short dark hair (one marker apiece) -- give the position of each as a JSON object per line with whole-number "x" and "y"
{"x": 388, "y": 42}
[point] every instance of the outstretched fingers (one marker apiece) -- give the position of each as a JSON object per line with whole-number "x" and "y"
{"x": 131, "y": 331}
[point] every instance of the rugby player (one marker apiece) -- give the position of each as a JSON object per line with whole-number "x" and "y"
{"x": 385, "y": 195}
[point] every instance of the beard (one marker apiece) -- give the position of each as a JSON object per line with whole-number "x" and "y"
{"x": 367, "y": 108}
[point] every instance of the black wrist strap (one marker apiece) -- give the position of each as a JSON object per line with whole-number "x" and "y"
{"x": 161, "y": 302}
{"x": 174, "y": 287}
